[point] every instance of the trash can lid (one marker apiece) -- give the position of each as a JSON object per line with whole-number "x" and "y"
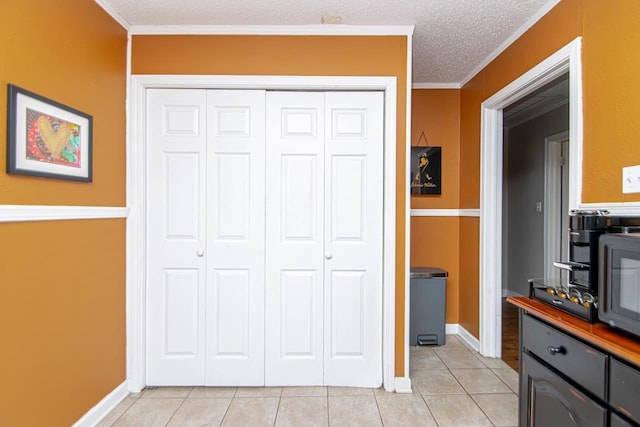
{"x": 427, "y": 272}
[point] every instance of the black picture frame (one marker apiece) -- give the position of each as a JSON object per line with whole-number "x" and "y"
{"x": 426, "y": 170}
{"x": 46, "y": 138}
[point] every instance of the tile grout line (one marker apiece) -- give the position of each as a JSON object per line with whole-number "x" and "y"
{"x": 176, "y": 410}
{"x": 228, "y": 407}
{"x": 429, "y": 409}
{"x": 466, "y": 392}
{"x": 328, "y": 412}
{"x": 375, "y": 398}
{"x": 123, "y": 412}
{"x": 275, "y": 418}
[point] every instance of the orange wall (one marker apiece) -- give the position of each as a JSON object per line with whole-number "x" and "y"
{"x": 435, "y": 240}
{"x": 611, "y": 88}
{"x": 81, "y": 64}
{"x": 62, "y": 319}
{"x": 296, "y": 55}
{"x": 436, "y": 112}
{"x": 62, "y": 310}
{"x": 611, "y": 94}
{"x": 435, "y": 243}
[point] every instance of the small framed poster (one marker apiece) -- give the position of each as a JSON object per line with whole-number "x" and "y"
{"x": 46, "y": 138}
{"x": 426, "y": 170}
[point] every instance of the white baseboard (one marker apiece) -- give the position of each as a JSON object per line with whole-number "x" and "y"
{"x": 106, "y": 405}
{"x": 472, "y": 341}
{"x": 451, "y": 329}
{"x": 456, "y": 329}
{"x": 403, "y": 385}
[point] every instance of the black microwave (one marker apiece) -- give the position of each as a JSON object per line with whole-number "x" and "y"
{"x": 619, "y": 281}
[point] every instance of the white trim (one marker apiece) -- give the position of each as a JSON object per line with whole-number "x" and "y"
{"x": 552, "y": 186}
{"x": 403, "y": 385}
{"x": 446, "y": 212}
{"x": 508, "y": 42}
{"x": 437, "y": 86}
{"x": 102, "y": 409}
{"x": 24, "y": 213}
{"x": 115, "y": 15}
{"x": 141, "y": 82}
{"x": 468, "y": 338}
{"x": 573, "y": 53}
{"x": 136, "y": 196}
{"x": 136, "y": 234}
{"x": 565, "y": 59}
{"x": 407, "y": 216}
{"x": 136, "y": 237}
{"x": 451, "y": 329}
{"x": 276, "y": 30}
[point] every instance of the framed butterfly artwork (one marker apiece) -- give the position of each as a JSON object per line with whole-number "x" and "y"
{"x": 46, "y": 138}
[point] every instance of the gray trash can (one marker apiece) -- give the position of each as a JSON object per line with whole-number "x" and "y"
{"x": 427, "y": 305}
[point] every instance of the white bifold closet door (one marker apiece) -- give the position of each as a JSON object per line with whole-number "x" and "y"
{"x": 264, "y": 238}
{"x": 205, "y": 216}
{"x": 324, "y": 238}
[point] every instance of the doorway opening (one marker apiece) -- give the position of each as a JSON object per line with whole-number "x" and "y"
{"x": 534, "y": 196}
{"x": 565, "y": 61}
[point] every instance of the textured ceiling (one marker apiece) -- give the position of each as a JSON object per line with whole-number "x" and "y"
{"x": 452, "y": 39}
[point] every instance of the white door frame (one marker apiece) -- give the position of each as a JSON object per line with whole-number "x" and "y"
{"x": 136, "y": 197}
{"x": 566, "y": 59}
{"x": 552, "y": 185}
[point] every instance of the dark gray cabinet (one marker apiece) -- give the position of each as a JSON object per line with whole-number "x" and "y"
{"x": 568, "y": 382}
{"x": 552, "y": 401}
{"x": 624, "y": 393}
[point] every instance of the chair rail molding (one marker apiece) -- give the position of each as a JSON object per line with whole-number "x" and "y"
{"x": 26, "y": 213}
{"x": 446, "y": 212}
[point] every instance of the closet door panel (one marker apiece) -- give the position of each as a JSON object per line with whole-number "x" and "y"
{"x": 235, "y": 239}
{"x": 295, "y": 156}
{"x": 176, "y": 227}
{"x": 353, "y": 238}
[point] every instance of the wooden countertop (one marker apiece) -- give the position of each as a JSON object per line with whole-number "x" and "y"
{"x": 599, "y": 334}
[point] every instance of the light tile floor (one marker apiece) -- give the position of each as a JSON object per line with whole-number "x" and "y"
{"x": 452, "y": 386}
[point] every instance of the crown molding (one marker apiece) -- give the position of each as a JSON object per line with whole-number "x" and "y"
{"x": 508, "y": 42}
{"x": 115, "y": 15}
{"x": 436, "y": 86}
{"x": 276, "y": 30}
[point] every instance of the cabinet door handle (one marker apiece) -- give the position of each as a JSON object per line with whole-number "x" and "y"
{"x": 556, "y": 350}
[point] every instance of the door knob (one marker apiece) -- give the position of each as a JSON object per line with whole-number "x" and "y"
{"x": 200, "y": 252}
{"x": 328, "y": 255}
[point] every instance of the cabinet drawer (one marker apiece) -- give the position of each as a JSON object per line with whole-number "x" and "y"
{"x": 577, "y": 360}
{"x": 624, "y": 389}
